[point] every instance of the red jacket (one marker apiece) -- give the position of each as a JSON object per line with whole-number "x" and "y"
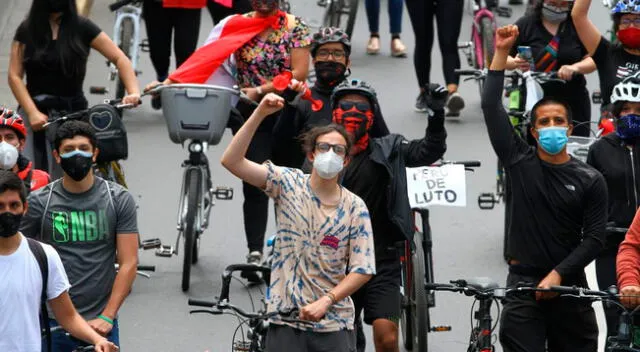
{"x": 185, "y": 4}
{"x": 628, "y": 260}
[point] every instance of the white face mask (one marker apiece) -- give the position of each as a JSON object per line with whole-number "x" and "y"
{"x": 328, "y": 165}
{"x": 8, "y": 156}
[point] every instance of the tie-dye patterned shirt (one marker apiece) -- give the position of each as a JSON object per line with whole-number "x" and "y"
{"x": 315, "y": 248}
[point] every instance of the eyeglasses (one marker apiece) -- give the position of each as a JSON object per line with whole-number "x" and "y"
{"x": 339, "y": 149}
{"x": 360, "y": 106}
{"x": 324, "y": 54}
{"x": 630, "y": 21}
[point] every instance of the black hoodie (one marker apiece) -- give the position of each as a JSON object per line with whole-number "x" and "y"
{"x": 619, "y": 163}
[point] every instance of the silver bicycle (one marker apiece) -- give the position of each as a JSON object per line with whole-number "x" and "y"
{"x": 126, "y": 35}
{"x": 196, "y": 114}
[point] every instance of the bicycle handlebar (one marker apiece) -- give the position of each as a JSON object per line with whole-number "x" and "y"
{"x": 466, "y": 163}
{"x": 235, "y": 90}
{"x": 463, "y": 287}
{"x": 201, "y": 303}
{"x": 141, "y": 267}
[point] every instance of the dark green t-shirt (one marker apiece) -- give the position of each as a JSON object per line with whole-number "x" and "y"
{"x": 83, "y": 228}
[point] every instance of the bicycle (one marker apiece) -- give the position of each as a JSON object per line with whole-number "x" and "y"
{"x": 340, "y": 13}
{"x": 258, "y": 323}
{"x": 416, "y": 261}
{"x": 196, "y": 114}
{"x": 126, "y": 35}
{"x": 480, "y": 49}
{"x": 486, "y": 292}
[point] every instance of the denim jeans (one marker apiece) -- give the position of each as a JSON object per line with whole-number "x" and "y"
{"x": 395, "y": 15}
{"x": 60, "y": 342}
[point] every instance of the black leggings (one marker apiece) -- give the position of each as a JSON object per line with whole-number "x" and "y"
{"x": 448, "y": 14}
{"x": 161, "y": 23}
{"x": 219, "y": 12}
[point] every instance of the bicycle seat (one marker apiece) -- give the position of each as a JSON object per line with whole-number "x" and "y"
{"x": 482, "y": 283}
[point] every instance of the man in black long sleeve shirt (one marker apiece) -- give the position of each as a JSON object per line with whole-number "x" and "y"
{"x": 330, "y": 51}
{"x": 558, "y": 217}
{"x": 377, "y": 173}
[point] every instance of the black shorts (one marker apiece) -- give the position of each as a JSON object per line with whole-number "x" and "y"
{"x": 380, "y": 297}
{"x": 285, "y": 338}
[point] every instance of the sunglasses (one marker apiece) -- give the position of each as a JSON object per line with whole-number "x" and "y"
{"x": 360, "y": 106}
{"x": 339, "y": 149}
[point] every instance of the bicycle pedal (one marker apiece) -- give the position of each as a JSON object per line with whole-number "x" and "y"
{"x": 151, "y": 243}
{"x": 440, "y": 328}
{"x": 504, "y": 11}
{"x": 223, "y": 193}
{"x": 144, "y": 46}
{"x": 487, "y": 201}
{"x": 165, "y": 251}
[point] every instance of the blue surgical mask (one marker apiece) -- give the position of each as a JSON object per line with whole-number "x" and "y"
{"x": 553, "y": 139}
{"x": 628, "y": 127}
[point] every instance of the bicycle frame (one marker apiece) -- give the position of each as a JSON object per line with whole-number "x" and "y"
{"x": 134, "y": 13}
{"x": 475, "y": 33}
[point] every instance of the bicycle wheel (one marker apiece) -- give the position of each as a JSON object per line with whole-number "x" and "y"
{"x": 420, "y": 307}
{"x": 336, "y": 9}
{"x": 193, "y": 196}
{"x": 351, "y": 20}
{"x": 406, "y": 308}
{"x": 126, "y": 40}
{"x": 332, "y": 14}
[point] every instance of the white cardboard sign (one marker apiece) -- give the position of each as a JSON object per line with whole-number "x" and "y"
{"x": 442, "y": 185}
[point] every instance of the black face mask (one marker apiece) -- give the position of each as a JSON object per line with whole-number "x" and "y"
{"x": 9, "y": 224}
{"x": 77, "y": 164}
{"x": 58, "y": 5}
{"x": 330, "y": 73}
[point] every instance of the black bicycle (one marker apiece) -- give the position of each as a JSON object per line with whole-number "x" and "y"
{"x": 416, "y": 261}
{"x": 254, "y": 339}
{"x": 486, "y": 292}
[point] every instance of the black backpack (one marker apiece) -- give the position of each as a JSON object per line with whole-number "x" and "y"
{"x": 41, "y": 258}
{"x": 110, "y": 132}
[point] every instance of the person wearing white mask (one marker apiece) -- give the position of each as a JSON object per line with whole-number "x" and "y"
{"x": 12, "y": 142}
{"x": 323, "y": 250}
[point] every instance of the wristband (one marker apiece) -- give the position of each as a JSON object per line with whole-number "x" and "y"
{"x": 259, "y": 90}
{"x": 108, "y": 320}
{"x": 332, "y": 297}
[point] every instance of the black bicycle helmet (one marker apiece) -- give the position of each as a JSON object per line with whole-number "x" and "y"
{"x": 354, "y": 86}
{"x": 330, "y": 35}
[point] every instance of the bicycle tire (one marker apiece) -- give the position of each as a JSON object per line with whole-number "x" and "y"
{"x": 351, "y": 20}
{"x": 420, "y": 309}
{"x": 331, "y": 14}
{"x": 126, "y": 36}
{"x": 406, "y": 308}
{"x": 487, "y": 35}
{"x": 193, "y": 192}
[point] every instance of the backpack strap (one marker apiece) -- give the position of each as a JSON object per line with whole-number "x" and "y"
{"x": 46, "y": 206}
{"x": 41, "y": 257}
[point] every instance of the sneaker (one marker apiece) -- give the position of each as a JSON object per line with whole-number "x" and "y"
{"x": 254, "y": 258}
{"x": 373, "y": 46}
{"x": 455, "y": 104}
{"x": 398, "y": 49}
{"x": 421, "y": 103}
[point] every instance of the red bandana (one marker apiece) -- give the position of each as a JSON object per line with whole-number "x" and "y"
{"x": 354, "y": 122}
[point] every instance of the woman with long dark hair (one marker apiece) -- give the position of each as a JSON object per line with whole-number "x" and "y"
{"x": 549, "y": 31}
{"x": 51, "y": 47}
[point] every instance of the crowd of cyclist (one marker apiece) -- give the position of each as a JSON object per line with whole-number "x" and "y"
{"x": 334, "y": 253}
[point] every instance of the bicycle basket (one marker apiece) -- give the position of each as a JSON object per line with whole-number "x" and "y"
{"x": 578, "y": 147}
{"x": 198, "y": 112}
{"x": 110, "y": 132}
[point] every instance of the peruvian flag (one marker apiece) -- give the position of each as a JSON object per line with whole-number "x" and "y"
{"x": 225, "y": 38}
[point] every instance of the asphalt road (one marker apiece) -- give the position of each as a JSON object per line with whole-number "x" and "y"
{"x": 467, "y": 241}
